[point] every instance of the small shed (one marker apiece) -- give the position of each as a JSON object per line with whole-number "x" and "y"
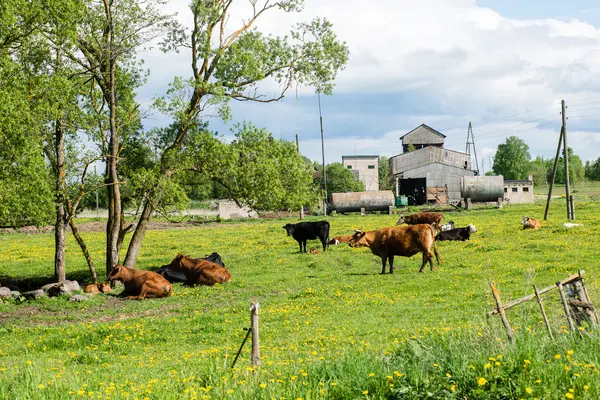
{"x": 519, "y": 191}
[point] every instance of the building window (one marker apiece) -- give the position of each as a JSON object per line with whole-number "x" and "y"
{"x": 349, "y": 166}
{"x": 505, "y": 190}
{"x": 526, "y": 189}
{"x": 515, "y": 190}
{"x": 371, "y": 167}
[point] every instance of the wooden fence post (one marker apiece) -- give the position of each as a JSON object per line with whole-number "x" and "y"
{"x": 255, "y": 338}
{"x": 586, "y": 298}
{"x": 509, "y": 331}
{"x": 539, "y": 300}
{"x": 563, "y": 299}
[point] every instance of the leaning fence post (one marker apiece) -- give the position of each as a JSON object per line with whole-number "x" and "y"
{"x": 587, "y": 297}
{"x": 539, "y": 300}
{"x": 255, "y": 339}
{"x": 509, "y": 331}
{"x": 565, "y": 306}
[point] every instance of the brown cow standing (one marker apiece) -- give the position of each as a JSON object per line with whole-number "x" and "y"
{"x": 421, "y": 218}
{"x": 199, "y": 271}
{"x": 405, "y": 241}
{"x": 530, "y": 223}
{"x": 140, "y": 284}
{"x": 95, "y": 288}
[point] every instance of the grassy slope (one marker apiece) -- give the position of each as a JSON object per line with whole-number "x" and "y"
{"x": 327, "y": 321}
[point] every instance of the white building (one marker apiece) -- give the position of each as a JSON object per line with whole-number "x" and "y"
{"x": 365, "y": 168}
{"x": 519, "y": 191}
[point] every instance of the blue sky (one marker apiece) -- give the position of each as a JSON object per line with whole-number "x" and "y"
{"x": 504, "y": 65}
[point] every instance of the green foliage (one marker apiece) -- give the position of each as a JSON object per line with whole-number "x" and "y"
{"x": 385, "y": 180}
{"x": 592, "y": 170}
{"x": 254, "y": 169}
{"x": 340, "y": 179}
{"x": 410, "y": 148}
{"x": 576, "y": 169}
{"x": 512, "y": 159}
{"x": 538, "y": 168}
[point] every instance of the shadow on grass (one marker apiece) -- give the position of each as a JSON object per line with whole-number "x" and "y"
{"x": 24, "y": 284}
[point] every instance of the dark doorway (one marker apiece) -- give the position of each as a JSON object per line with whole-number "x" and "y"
{"x": 415, "y": 190}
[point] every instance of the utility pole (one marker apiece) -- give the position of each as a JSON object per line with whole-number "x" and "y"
{"x": 297, "y": 144}
{"x": 560, "y": 140}
{"x": 323, "y": 153}
{"x": 471, "y": 141}
{"x": 566, "y": 157}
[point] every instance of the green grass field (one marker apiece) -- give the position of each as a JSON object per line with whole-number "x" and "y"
{"x": 331, "y": 326}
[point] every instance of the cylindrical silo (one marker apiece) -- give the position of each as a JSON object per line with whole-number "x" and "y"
{"x": 481, "y": 189}
{"x": 354, "y": 201}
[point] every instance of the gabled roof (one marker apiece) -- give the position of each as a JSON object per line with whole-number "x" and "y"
{"x": 426, "y": 127}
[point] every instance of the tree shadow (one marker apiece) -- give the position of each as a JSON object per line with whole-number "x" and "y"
{"x": 24, "y": 284}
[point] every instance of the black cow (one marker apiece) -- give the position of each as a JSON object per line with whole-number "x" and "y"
{"x": 304, "y": 231}
{"x": 177, "y": 276}
{"x": 456, "y": 234}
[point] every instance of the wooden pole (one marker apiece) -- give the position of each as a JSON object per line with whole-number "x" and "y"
{"x": 509, "y": 332}
{"x": 566, "y": 157}
{"x": 560, "y": 138}
{"x": 581, "y": 272}
{"x": 539, "y": 300}
{"x": 255, "y": 338}
{"x": 565, "y": 306}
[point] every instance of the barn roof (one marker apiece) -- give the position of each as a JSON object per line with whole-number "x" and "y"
{"x": 426, "y": 127}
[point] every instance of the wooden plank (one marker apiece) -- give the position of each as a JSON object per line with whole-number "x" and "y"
{"x": 563, "y": 299}
{"x": 539, "y": 300}
{"x": 516, "y": 302}
{"x": 509, "y": 332}
{"x": 255, "y": 339}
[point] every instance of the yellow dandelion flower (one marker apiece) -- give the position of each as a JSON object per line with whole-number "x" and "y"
{"x": 557, "y": 356}
{"x": 569, "y": 352}
{"x": 569, "y": 395}
{"x": 529, "y": 390}
{"x": 527, "y": 362}
{"x": 572, "y": 390}
{"x": 453, "y": 388}
{"x": 436, "y": 365}
{"x": 41, "y": 386}
{"x": 585, "y": 387}
{"x": 263, "y": 385}
{"x": 29, "y": 362}
{"x": 372, "y": 374}
{"x": 497, "y": 363}
{"x": 365, "y": 392}
{"x": 481, "y": 381}
{"x": 389, "y": 377}
{"x": 486, "y": 366}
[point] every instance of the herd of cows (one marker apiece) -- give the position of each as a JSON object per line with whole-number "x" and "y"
{"x": 419, "y": 235}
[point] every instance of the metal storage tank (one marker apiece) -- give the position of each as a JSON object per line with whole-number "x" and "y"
{"x": 481, "y": 189}
{"x": 354, "y": 201}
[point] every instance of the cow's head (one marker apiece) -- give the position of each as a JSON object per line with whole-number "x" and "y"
{"x": 472, "y": 228}
{"x": 117, "y": 273}
{"x": 400, "y": 220}
{"x": 357, "y": 239}
{"x": 525, "y": 220}
{"x": 289, "y": 228}
{"x": 104, "y": 287}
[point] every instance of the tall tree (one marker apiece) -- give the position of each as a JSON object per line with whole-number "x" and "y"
{"x": 385, "y": 180}
{"x": 339, "y": 179}
{"x": 512, "y": 159}
{"x": 592, "y": 170}
{"x": 227, "y": 64}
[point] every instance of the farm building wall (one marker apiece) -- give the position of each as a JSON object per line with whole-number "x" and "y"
{"x": 367, "y": 169}
{"x": 440, "y": 175}
{"x": 429, "y": 155}
{"x": 423, "y": 135}
{"x": 518, "y": 192}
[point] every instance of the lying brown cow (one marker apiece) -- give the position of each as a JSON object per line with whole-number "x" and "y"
{"x": 340, "y": 239}
{"x": 421, "y": 218}
{"x": 405, "y": 241}
{"x": 140, "y": 284}
{"x": 95, "y": 288}
{"x": 530, "y": 223}
{"x": 199, "y": 271}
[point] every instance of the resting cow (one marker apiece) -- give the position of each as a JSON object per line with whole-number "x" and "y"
{"x": 95, "y": 288}
{"x": 140, "y": 284}
{"x": 340, "y": 239}
{"x": 457, "y": 234}
{"x": 530, "y": 223}
{"x": 421, "y": 218}
{"x": 304, "y": 231}
{"x": 199, "y": 271}
{"x": 405, "y": 241}
{"x": 178, "y": 276}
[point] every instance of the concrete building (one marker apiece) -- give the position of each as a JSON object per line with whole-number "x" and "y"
{"x": 519, "y": 191}
{"x": 365, "y": 168}
{"x": 430, "y": 174}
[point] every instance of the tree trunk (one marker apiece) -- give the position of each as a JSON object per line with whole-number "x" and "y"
{"x": 60, "y": 228}
{"x": 138, "y": 236}
{"x": 113, "y": 225}
{"x": 84, "y": 249}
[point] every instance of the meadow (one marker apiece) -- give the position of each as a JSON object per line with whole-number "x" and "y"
{"x": 332, "y": 327}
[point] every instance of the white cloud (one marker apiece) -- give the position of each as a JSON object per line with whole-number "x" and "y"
{"x": 469, "y": 61}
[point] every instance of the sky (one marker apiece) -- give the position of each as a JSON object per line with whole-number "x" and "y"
{"x": 504, "y": 65}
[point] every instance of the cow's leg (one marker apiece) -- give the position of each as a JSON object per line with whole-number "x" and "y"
{"x": 383, "y": 262}
{"x": 391, "y": 260}
{"x": 300, "y": 244}
{"x": 424, "y": 262}
{"x": 324, "y": 243}
{"x": 304, "y": 244}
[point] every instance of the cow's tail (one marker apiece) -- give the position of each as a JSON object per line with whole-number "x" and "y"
{"x": 435, "y": 249}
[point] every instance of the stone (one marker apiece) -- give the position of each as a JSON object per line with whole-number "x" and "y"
{"x": 15, "y": 294}
{"x": 79, "y": 298}
{"x": 63, "y": 287}
{"x": 4, "y": 293}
